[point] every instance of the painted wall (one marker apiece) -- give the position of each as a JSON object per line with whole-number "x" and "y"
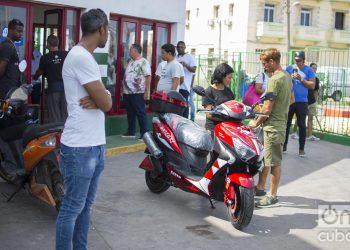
{"x": 162, "y": 10}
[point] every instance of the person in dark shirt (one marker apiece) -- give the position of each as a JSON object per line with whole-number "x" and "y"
{"x": 9, "y": 60}
{"x": 218, "y": 93}
{"x": 51, "y": 68}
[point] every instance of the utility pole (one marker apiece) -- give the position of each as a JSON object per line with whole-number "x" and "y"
{"x": 219, "y": 21}
{"x": 288, "y": 25}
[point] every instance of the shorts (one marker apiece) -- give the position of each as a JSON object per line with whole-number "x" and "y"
{"x": 273, "y": 143}
{"x": 312, "y": 109}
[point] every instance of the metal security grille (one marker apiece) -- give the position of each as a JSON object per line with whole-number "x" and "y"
{"x": 333, "y": 104}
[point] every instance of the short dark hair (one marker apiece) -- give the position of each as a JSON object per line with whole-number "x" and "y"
{"x": 92, "y": 21}
{"x": 137, "y": 47}
{"x": 181, "y": 42}
{"x": 312, "y": 64}
{"x": 13, "y": 23}
{"x": 53, "y": 40}
{"x": 169, "y": 48}
{"x": 220, "y": 72}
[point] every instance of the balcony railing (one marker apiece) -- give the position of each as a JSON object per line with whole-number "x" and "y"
{"x": 268, "y": 29}
{"x": 308, "y": 33}
{"x": 339, "y": 36}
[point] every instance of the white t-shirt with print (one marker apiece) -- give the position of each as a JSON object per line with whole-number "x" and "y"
{"x": 263, "y": 79}
{"x": 172, "y": 69}
{"x": 188, "y": 59}
{"x": 135, "y": 76}
{"x": 83, "y": 127}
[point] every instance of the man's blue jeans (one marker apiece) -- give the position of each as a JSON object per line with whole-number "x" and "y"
{"x": 81, "y": 168}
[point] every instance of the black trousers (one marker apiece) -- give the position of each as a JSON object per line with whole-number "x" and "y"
{"x": 300, "y": 109}
{"x": 136, "y": 107}
{"x": 185, "y": 94}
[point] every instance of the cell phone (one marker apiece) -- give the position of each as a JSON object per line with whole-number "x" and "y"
{"x": 295, "y": 70}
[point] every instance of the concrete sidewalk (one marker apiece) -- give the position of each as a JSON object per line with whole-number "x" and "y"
{"x": 127, "y": 216}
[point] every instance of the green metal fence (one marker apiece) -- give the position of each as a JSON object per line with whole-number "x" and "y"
{"x": 333, "y": 104}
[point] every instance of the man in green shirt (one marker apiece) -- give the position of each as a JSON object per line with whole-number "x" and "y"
{"x": 276, "y": 105}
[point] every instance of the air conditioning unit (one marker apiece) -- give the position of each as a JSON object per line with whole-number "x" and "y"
{"x": 228, "y": 22}
{"x": 211, "y": 22}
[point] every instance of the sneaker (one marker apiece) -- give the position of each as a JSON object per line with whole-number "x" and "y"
{"x": 267, "y": 201}
{"x": 284, "y": 150}
{"x": 302, "y": 153}
{"x": 294, "y": 136}
{"x": 312, "y": 138}
{"x": 259, "y": 192}
{"x": 140, "y": 138}
{"x": 127, "y": 135}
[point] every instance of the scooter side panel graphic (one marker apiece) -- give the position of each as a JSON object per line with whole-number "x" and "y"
{"x": 166, "y": 136}
{"x": 183, "y": 182}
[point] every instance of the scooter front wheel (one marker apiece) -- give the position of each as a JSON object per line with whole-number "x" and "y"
{"x": 156, "y": 183}
{"x": 240, "y": 212}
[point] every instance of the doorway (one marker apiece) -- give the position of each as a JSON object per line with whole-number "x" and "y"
{"x": 124, "y": 31}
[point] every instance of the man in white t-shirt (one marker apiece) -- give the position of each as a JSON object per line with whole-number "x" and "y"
{"x": 189, "y": 65}
{"x": 171, "y": 73}
{"x": 159, "y": 71}
{"x": 137, "y": 79}
{"x": 83, "y": 138}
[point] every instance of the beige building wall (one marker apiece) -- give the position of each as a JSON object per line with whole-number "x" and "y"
{"x": 244, "y": 29}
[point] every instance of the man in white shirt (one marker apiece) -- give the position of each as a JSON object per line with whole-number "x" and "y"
{"x": 83, "y": 138}
{"x": 189, "y": 65}
{"x": 171, "y": 73}
{"x": 136, "y": 83}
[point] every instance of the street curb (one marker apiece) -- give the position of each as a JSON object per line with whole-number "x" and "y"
{"x": 125, "y": 149}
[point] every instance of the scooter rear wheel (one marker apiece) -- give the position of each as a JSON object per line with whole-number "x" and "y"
{"x": 240, "y": 212}
{"x": 156, "y": 183}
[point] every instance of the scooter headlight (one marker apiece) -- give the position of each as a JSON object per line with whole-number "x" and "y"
{"x": 243, "y": 151}
{"x": 49, "y": 142}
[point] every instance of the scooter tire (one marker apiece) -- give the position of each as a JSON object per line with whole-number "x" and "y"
{"x": 241, "y": 211}
{"x": 156, "y": 184}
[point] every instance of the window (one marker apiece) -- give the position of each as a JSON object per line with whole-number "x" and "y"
{"x": 268, "y": 13}
{"x": 230, "y": 9}
{"x": 216, "y": 11}
{"x": 339, "y": 20}
{"x": 305, "y": 17}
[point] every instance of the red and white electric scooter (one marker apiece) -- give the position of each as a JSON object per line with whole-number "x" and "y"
{"x": 177, "y": 151}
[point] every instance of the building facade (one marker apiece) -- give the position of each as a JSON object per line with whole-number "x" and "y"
{"x": 151, "y": 23}
{"x": 222, "y": 27}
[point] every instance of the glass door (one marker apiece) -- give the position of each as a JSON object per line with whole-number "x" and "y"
{"x": 127, "y": 39}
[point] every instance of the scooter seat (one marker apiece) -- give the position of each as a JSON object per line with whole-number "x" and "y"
{"x": 13, "y": 133}
{"x": 189, "y": 133}
{"x": 36, "y": 130}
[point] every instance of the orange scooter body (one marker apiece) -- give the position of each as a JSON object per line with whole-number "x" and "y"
{"x": 32, "y": 155}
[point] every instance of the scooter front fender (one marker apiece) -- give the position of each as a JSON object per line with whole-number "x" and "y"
{"x": 241, "y": 179}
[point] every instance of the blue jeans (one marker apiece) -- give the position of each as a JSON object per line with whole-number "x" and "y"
{"x": 81, "y": 168}
{"x": 136, "y": 107}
